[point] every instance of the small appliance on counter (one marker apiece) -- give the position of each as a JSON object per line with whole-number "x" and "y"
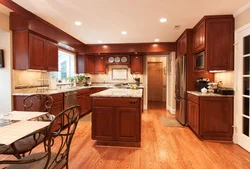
{"x": 137, "y": 80}
{"x": 52, "y": 84}
{"x": 87, "y": 81}
{"x": 225, "y": 91}
{"x": 201, "y": 83}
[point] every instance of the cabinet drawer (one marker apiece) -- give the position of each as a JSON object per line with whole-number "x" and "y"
{"x": 82, "y": 91}
{"x": 193, "y": 98}
{"x": 57, "y": 97}
{"x": 126, "y": 102}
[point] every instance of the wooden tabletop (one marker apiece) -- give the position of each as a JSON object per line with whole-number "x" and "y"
{"x": 18, "y": 130}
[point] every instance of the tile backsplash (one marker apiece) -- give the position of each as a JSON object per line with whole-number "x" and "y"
{"x": 28, "y": 78}
{"x": 108, "y": 78}
{"x": 227, "y": 78}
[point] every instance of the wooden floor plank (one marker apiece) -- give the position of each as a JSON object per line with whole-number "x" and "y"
{"x": 161, "y": 148}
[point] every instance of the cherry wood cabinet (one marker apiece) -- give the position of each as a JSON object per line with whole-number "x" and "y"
{"x": 215, "y": 35}
{"x": 136, "y": 64}
{"x": 92, "y": 64}
{"x": 103, "y": 123}
{"x": 211, "y": 117}
{"x": 199, "y": 37}
{"x": 83, "y": 99}
{"x": 31, "y": 51}
{"x": 116, "y": 121}
{"x": 182, "y": 45}
{"x": 127, "y": 124}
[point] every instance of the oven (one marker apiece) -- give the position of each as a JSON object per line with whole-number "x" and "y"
{"x": 199, "y": 61}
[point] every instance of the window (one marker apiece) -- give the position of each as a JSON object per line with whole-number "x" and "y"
{"x": 66, "y": 65}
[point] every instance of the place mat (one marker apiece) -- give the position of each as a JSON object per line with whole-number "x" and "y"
{"x": 170, "y": 122}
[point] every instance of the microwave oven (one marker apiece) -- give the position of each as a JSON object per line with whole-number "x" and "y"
{"x": 199, "y": 61}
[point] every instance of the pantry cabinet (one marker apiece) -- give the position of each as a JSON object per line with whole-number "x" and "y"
{"x": 182, "y": 45}
{"x": 31, "y": 51}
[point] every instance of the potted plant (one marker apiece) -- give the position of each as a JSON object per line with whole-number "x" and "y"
{"x": 80, "y": 78}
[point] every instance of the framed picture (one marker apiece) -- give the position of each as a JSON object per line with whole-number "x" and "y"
{"x": 165, "y": 70}
{"x": 119, "y": 74}
{"x": 169, "y": 65}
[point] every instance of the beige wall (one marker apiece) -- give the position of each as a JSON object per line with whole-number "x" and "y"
{"x": 5, "y": 73}
{"x": 242, "y": 19}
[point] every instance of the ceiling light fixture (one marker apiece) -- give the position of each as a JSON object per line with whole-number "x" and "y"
{"x": 78, "y": 23}
{"x": 156, "y": 40}
{"x": 124, "y": 32}
{"x": 99, "y": 41}
{"x": 163, "y": 20}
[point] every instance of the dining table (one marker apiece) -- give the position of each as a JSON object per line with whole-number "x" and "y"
{"x": 18, "y": 124}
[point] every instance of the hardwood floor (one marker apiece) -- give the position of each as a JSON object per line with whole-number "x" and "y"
{"x": 161, "y": 148}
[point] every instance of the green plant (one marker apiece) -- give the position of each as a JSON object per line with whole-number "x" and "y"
{"x": 80, "y": 78}
{"x": 71, "y": 79}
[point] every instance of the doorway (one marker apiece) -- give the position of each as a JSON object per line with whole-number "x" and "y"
{"x": 156, "y": 78}
{"x": 242, "y": 100}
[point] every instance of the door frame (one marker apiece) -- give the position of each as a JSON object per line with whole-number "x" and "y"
{"x": 238, "y": 84}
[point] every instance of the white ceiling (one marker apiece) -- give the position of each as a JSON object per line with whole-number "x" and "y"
{"x": 106, "y": 19}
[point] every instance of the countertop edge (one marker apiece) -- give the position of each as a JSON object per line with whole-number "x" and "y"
{"x": 199, "y": 94}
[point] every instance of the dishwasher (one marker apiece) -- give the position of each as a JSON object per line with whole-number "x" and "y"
{"x": 70, "y": 99}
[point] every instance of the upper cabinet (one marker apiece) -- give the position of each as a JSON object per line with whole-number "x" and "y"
{"x": 34, "y": 52}
{"x": 92, "y": 64}
{"x": 199, "y": 37}
{"x": 215, "y": 35}
{"x": 136, "y": 64}
{"x": 182, "y": 45}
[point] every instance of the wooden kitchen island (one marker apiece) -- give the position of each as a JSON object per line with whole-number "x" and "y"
{"x": 116, "y": 117}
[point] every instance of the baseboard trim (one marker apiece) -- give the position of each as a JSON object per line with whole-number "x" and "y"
{"x": 235, "y": 138}
{"x": 171, "y": 110}
{"x": 145, "y": 107}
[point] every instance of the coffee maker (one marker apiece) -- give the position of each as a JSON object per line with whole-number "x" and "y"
{"x": 201, "y": 83}
{"x": 87, "y": 81}
{"x": 137, "y": 80}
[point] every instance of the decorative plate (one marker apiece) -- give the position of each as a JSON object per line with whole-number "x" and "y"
{"x": 124, "y": 59}
{"x": 111, "y": 60}
{"x": 117, "y": 59}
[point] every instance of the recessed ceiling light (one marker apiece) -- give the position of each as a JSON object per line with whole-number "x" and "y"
{"x": 156, "y": 40}
{"x": 163, "y": 20}
{"x": 78, "y": 23}
{"x": 124, "y": 32}
{"x": 99, "y": 41}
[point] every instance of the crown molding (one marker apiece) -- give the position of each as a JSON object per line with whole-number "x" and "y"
{"x": 242, "y": 9}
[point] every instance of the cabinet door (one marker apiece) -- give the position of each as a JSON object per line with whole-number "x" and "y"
{"x": 86, "y": 103}
{"x": 36, "y": 52}
{"x": 199, "y": 37}
{"x": 136, "y": 65}
{"x": 184, "y": 44}
{"x": 216, "y": 118}
{"x": 80, "y": 102}
{"x": 90, "y": 64}
{"x": 196, "y": 120}
{"x": 51, "y": 56}
{"x": 220, "y": 40}
{"x": 100, "y": 67}
{"x": 103, "y": 122}
{"x": 190, "y": 113}
{"x": 55, "y": 110}
{"x": 178, "y": 48}
{"x": 127, "y": 124}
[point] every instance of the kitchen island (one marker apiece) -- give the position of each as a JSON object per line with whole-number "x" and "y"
{"x": 116, "y": 117}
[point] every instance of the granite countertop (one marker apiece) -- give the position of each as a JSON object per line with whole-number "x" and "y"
{"x": 196, "y": 93}
{"x": 26, "y": 92}
{"x": 135, "y": 93}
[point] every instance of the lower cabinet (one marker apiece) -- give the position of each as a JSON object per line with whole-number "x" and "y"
{"x": 211, "y": 118}
{"x": 104, "y": 122}
{"x": 116, "y": 121}
{"x": 127, "y": 122}
{"x": 83, "y": 100}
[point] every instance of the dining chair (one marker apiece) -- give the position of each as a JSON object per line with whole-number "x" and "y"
{"x": 35, "y": 102}
{"x": 57, "y": 144}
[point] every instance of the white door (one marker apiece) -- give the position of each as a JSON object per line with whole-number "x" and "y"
{"x": 242, "y": 95}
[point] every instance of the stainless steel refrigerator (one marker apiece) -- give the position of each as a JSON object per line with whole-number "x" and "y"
{"x": 180, "y": 89}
